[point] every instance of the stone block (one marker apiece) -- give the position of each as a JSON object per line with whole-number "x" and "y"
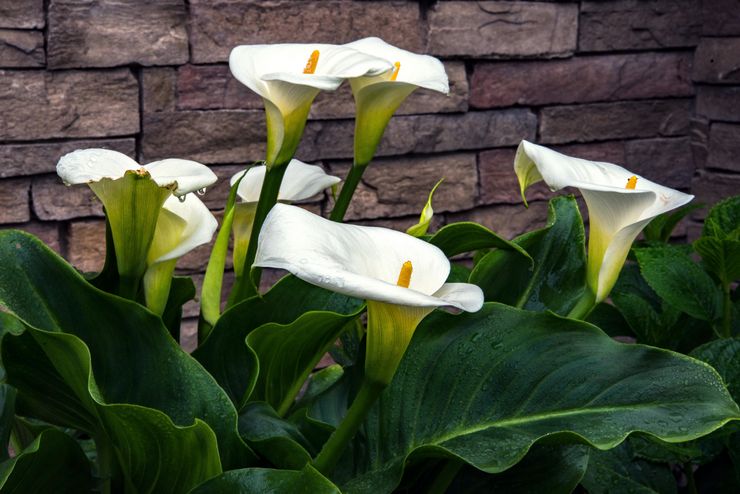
{"x": 86, "y": 245}
{"x": 399, "y": 187}
{"x": 44, "y": 105}
{"x": 109, "y": 33}
{"x": 710, "y": 188}
{"x": 42, "y": 157}
{"x": 502, "y": 29}
{"x": 507, "y": 220}
{"x": 22, "y": 14}
{"x": 219, "y": 25}
{"x": 21, "y": 48}
{"x": 46, "y": 231}
{"x": 609, "y": 151}
{"x": 14, "y": 200}
{"x": 158, "y": 88}
{"x": 638, "y": 24}
{"x": 720, "y": 17}
{"x": 52, "y": 200}
{"x": 718, "y": 103}
{"x": 717, "y": 61}
{"x": 621, "y": 120}
{"x": 668, "y": 162}
{"x": 212, "y": 87}
{"x": 581, "y": 79}
{"x": 724, "y": 147}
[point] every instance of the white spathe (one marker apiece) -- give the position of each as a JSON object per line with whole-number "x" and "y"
{"x": 86, "y": 166}
{"x": 616, "y": 214}
{"x": 360, "y": 261}
{"x": 300, "y": 182}
{"x": 182, "y": 226}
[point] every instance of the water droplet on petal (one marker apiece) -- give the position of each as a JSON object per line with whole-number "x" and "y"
{"x": 182, "y": 197}
{"x": 201, "y": 192}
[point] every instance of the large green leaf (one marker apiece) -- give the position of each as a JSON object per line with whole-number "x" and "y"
{"x": 553, "y": 278}
{"x": 486, "y": 386}
{"x": 54, "y": 462}
{"x": 266, "y": 481}
{"x": 466, "y": 236}
{"x": 617, "y": 471}
{"x": 7, "y": 415}
{"x": 234, "y": 363}
{"x": 91, "y": 350}
{"x": 660, "y": 228}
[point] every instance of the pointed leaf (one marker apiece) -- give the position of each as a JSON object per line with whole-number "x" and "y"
{"x": 264, "y": 480}
{"x": 420, "y": 229}
{"x": 617, "y": 472}
{"x": 466, "y": 236}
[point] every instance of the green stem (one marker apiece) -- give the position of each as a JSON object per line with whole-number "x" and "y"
{"x": 691, "y": 481}
{"x": 445, "y": 476}
{"x": 585, "y": 305}
{"x": 348, "y": 190}
{"x": 246, "y": 285}
{"x": 340, "y": 438}
{"x": 128, "y": 287}
{"x": 106, "y": 463}
{"x": 726, "y": 311}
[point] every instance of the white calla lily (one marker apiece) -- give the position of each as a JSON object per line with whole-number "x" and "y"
{"x": 402, "y": 277}
{"x": 301, "y": 181}
{"x": 288, "y": 77}
{"x": 620, "y": 204}
{"x": 133, "y": 196}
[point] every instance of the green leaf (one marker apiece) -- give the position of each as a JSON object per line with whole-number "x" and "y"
{"x": 7, "y": 415}
{"x": 680, "y": 281}
{"x": 92, "y": 351}
{"x": 723, "y": 220}
{"x": 553, "y": 278}
{"x": 487, "y": 386}
{"x": 720, "y": 256}
{"x": 54, "y": 462}
{"x": 265, "y": 481}
{"x": 466, "y": 236}
{"x": 608, "y": 318}
{"x": 420, "y": 229}
{"x": 182, "y": 290}
{"x": 617, "y": 472}
{"x": 234, "y": 362}
{"x": 724, "y": 356}
{"x": 660, "y": 228}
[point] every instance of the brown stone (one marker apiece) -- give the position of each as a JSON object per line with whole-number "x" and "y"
{"x": 189, "y": 334}
{"x": 217, "y": 194}
{"x": 666, "y": 161}
{"x": 699, "y": 138}
{"x": 227, "y": 136}
{"x": 108, "y": 33}
{"x": 52, "y": 200}
{"x": 219, "y": 25}
{"x": 398, "y": 187}
{"x": 720, "y": 17}
{"x": 621, "y": 120}
{"x": 212, "y": 87}
{"x": 502, "y": 29}
{"x": 158, "y": 89}
{"x": 21, "y": 48}
{"x": 610, "y": 151}
{"x": 508, "y": 221}
{"x": 14, "y": 200}
{"x": 32, "y": 159}
{"x": 724, "y": 147}
{"x": 718, "y": 103}
{"x": 22, "y": 14}
{"x": 86, "y": 241}
{"x": 581, "y": 79}
{"x": 638, "y": 24}
{"x": 47, "y": 232}
{"x": 43, "y": 105}
{"x": 710, "y": 188}
{"x": 717, "y": 60}
{"x": 401, "y": 224}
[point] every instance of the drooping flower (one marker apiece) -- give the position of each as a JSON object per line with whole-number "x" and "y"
{"x": 288, "y": 77}
{"x": 401, "y": 277}
{"x": 301, "y": 181}
{"x": 620, "y": 204}
{"x": 132, "y": 195}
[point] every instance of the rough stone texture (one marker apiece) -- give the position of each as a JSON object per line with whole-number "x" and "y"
{"x": 52, "y": 200}
{"x": 506, "y": 220}
{"x": 108, "y": 33}
{"x": 32, "y": 159}
{"x": 22, "y": 14}
{"x": 495, "y": 29}
{"x": 158, "y": 89}
{"x": 720, "y": 17}
{"x": 717, "y": 60}
{"x": 724, "y": 147}
{"x": 207, "y": 87}
{"x": 14, "y": 207}
{"x": 67, "y": 104}
{"x": 719, "y": 102}
{"x": 581, "y": 79}
{"x": 620, "y": 120}
{"x": 21, "y": 48}
{"x": 397, "y": 187}
{"x": 219, "y": 25}
{"x": 710, "y": 188}
{"x": 86, "y": 249}
{"x": 47, "y": 232}
{"x": 610, "y": 151}
{"x": 228, "y": 136}
{"x": 638, "y": 24}
{"x": 666, "y": 161}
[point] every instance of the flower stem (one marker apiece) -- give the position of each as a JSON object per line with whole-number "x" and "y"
{"x": 584, "y": 306}
{"x": 445, "y": 476}
{"x": 348, "y": 190}
{"x": 338, "y": 441}
{"x": 248, "y": 280}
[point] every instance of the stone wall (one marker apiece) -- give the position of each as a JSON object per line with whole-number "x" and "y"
{"x": 652, "y": 84}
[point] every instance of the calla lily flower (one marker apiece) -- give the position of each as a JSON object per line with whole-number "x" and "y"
{"x": 181, "y": 227}
{"x": 300, "y": 182}
{"x": 401, "y": 277}
{"x": 620, "y": 204}
{"x": 133, "y": 196}
{"x": 288, "y": 77}
{"x": 377, "y": 97}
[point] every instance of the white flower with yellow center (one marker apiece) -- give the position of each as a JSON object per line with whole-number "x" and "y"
{"x": 620, "y": 204}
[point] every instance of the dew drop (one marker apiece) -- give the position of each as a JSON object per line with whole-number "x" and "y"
{"x": 201, "y": 192}
{"x": 182, "y": 197}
